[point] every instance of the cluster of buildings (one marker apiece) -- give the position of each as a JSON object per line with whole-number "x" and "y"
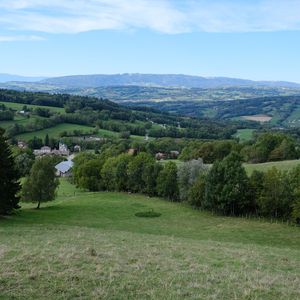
{"x": 61, "y": 151}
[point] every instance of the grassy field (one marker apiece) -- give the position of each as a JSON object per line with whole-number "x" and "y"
{"x": 53, "y": 131}
{"x": 244, "y": 134}
{"x": 281, "y": 165}
{"x": 92, "y": 246}
{"x": 20, "y": 120}
{"x": 19, "y": 106}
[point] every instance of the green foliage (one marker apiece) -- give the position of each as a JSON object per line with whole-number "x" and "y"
{"x": 136, "y": 169}
{"x": 271, "y": 147}
{"x": 227, "y": 187}
{"x": 256, "y": 186}
{"x": 41, "y": 184}
{"x": 109, "y": 116}
{"x": 149, "y": 176}
{"x": 88, "y": 176}
{"x": 9, "y": 179}
{"x": 208, "y": 151}
{"x": 296, "y": 209}
{"x": 47, "y": 141}
{"x": 276, "y": 195}
{"x": 187, "y": 174}
{"x": 24, "y": 162}
{"x": 167, "y": 185}
{"x": 196, "y": 193}
{"x": 114, "y": 173}
{"x": 35, "y": 143}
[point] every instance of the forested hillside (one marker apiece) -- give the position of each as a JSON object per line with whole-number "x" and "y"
{"x": 43, "y": 110}
{"x": 283, "y": 110}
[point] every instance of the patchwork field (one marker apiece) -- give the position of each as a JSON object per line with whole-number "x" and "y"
{"x": 92, "y": 246}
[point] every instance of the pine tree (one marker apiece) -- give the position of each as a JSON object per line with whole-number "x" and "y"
{"x": 47, "y": 142}
{"x": 9, "y": 179}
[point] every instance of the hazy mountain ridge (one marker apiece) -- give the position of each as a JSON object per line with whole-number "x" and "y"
{"x": 162, "y": 80}
{"x": 137, "y": 94}
{"x": 11, "y": 77}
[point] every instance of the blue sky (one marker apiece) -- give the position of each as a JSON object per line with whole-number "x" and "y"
{"x": 257, "y": 39}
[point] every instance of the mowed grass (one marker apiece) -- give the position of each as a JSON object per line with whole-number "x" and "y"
{"x": 54, "y": 131}
{"x": 285, "y": 165}
{"x": 92, "y": 246}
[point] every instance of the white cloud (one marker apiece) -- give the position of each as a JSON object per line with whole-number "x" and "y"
{"x": 166, "y": 16}
{"x": 15, "y": 38}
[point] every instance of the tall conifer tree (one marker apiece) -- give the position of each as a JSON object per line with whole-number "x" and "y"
{"x": 9, "y": 179}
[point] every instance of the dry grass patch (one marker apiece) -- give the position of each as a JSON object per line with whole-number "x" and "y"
{"x": 258, "y": 118}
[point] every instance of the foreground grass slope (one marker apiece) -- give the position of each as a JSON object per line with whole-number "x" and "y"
{"x": 91, "y": 245}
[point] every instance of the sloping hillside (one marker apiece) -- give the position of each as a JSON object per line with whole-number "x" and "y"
{"x": 91, "y": 245}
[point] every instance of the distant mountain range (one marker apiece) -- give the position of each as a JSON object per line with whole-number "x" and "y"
{"x": 153, "y": 80}
{"x": 9, "y": 77}
{"x": 164, "y": 80}
{"x": 152, "y": 87}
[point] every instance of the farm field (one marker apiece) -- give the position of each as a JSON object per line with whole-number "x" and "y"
{"x": 92, "y": 246}
{"x": 53, "y": 131}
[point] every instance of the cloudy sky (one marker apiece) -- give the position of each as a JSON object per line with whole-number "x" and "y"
{"x": 255, "y": 39}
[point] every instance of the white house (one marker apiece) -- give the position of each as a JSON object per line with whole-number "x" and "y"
{"x": 63, "y": 149}
{"x": 63, "y": 169}
{"x": 43, "y": 151}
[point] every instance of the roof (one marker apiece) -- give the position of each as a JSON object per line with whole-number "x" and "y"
{"x": 64, "y": 166}
{"x": 46, "y": 148}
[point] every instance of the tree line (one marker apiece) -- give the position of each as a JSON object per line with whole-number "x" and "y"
{"x": 224, "y": 188}
{"x": 267, "y": 146}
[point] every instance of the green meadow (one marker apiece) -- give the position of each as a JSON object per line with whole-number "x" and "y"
{"x": 54, "y": 131}
{"x": 92, "y": 246}
{"x": 19, "y": 106}
{"x": 285, "y": 165}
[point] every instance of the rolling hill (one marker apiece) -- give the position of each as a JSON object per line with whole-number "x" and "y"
{"x": 163, "y": 80}
{"x": 92, "y": 246}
